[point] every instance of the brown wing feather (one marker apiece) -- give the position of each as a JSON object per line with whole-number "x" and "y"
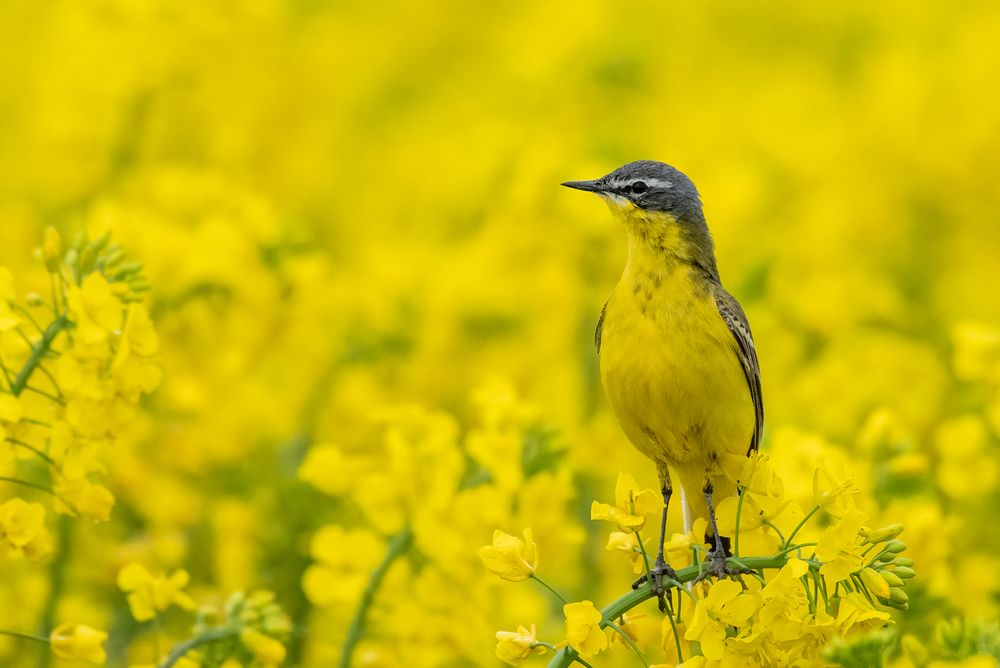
{"x": 600, "y": 328}
{"x": 734, "y": 317}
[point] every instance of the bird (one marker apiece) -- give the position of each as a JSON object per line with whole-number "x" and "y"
{"x": 677, "y": 357}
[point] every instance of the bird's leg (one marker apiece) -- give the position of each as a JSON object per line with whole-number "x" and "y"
{"x": 717, "y": 564}
{"x": 660, "y": 568}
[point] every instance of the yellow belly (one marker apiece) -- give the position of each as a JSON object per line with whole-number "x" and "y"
{"x": 672, "y": 376}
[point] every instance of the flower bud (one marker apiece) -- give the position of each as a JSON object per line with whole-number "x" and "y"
{"x": 51, "y": 248}
{"x": 897, "y": 595}
{"x": 33, "y": 299}
{"x": 875, "y": 582}
{"x": 78, "y": 642}
{"x": 895, "y": 546}
{"x": 904, "y": 572}
{"x": 892, "y": 579}
{"x": 884, "y": 534}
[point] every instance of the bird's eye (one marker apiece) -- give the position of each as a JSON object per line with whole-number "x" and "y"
{"x": 639, "y": 187}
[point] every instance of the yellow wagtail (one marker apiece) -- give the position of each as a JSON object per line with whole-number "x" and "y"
{"x": 677, "y": 358}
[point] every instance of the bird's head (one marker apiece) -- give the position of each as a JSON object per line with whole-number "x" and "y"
{"x": 646, "y": 185}
{"x": 658, "y": 204}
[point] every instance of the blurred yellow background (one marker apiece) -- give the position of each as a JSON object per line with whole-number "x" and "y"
{"x": 348, "y": 207}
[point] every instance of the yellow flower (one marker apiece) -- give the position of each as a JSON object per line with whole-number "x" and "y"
{"x": 135, "y": 372}
{"x": 94, "y": 308}
{"x": 148, "y": 594}
{"x": 267, "y": 650}
{"x": 840, "y": 547}
{"x": 631, "y": 505}
{"x": 761, "y": 518}
{"x": 726, "y": 605}
{"x": 583, "y": 628}
{"x": 513, "y": 647}
{"x": 857, "y": 614}
{"x": 630, "y": 624}
{"x": 85, "y": 498}
{"x": 78, "y": 642}
{"x": 510, "y": 557}
{"x": 22, "y": 529}
{"x": 832, "y": 495}
{"x": 784, "y": 603}
{"x": 340, "y": 574}
{"x": 678, "y": 549}
{"x": 325, "y": 469}
{"x": 629, "y": 544}
{"x": 759, "y": 478}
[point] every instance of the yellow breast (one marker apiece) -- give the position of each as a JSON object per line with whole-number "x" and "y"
{"x": 670, "y": 369}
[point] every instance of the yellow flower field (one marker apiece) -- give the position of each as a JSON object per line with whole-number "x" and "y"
{"x": 296, "y": 332}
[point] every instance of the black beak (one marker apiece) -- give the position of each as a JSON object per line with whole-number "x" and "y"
{"x": 587, "y": 186}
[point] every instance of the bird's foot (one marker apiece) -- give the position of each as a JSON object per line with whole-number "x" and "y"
{"x": 661, "y": 570}
{"x": 718, "y": 567}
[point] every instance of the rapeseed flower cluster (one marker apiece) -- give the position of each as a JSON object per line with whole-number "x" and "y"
{"x": 805, "y": 588}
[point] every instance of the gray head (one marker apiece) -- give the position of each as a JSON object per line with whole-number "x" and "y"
{"x": 650, "y": 186}
{"x": 661, "y": 209}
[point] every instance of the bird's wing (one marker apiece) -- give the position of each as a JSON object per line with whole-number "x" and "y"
{"x": 734, "y": 317}
{"x": 600, "y": 327}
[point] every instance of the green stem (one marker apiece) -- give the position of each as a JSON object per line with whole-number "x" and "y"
{"x": 645, "y": 557}
{"x": 27, "y": 314}
{"x": 673, "y": 625}
{"x": 739, "y": 511}
{"x": 567, "y": 655}
{"x": 32, "y": 485}
{"x": 397, "y": 546}
{"x": 798, "y": 526}
{"x": 29, "y": 446}
{"x": 627, "y": 639}
{"x": 181, "y": 649}
{"x": 550, "y": 588}
{"x": 48, "y": 395}
{"x": 24, "y": 636}
{"x": 39, "y": 351}
{"x": 57, "y": 583}
{"x": 776, "y": 530}
{"x": 798, "y": 546}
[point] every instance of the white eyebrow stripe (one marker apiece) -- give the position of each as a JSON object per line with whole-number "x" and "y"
{"x": 658, "y": 182}
{"x": 649, "y": 182}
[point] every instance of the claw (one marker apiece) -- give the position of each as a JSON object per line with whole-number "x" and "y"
{"x": 718, "y": 567}
{"x": 660, "y": 571}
